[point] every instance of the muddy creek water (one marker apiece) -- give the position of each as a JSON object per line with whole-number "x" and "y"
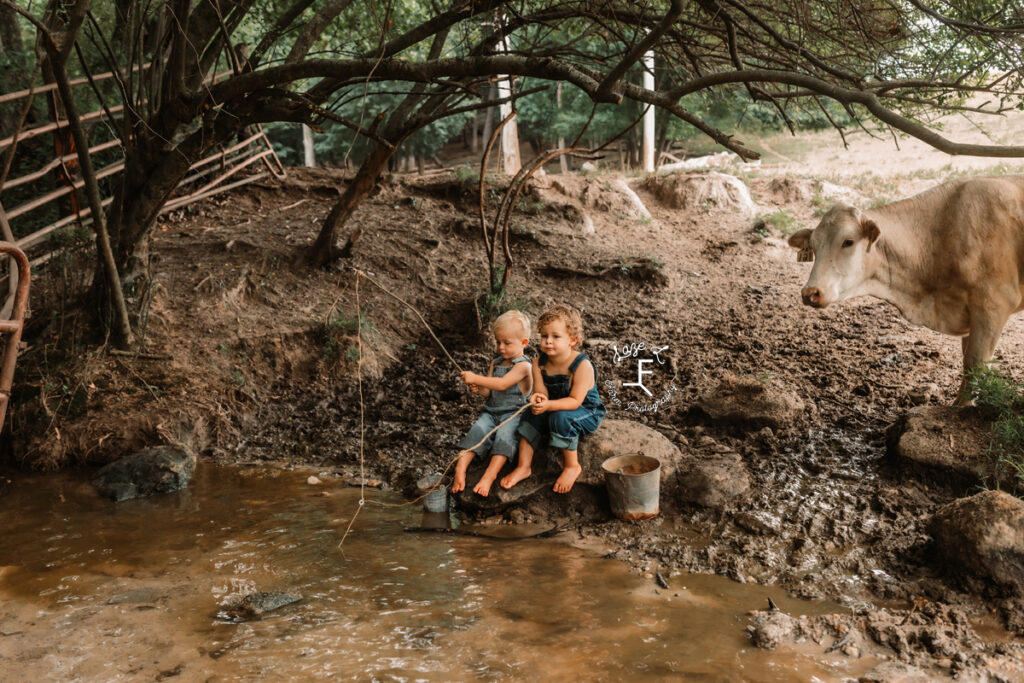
{"x": 97, "y": 591}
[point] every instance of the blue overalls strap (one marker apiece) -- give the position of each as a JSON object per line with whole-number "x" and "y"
{"x": 575, "y": 364}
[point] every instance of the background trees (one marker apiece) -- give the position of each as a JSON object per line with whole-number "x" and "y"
{"x": 384, "y": 72}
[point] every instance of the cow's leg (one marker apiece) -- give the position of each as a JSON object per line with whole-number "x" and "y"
{"x": 979, "y": 347}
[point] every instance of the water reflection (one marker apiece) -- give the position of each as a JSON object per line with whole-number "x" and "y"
{"x": 81, "y": 578}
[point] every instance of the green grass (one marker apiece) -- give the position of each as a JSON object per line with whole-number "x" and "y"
{"x": 781, "y": 220}
{"x": 466, "y": 173}
{"x": 1003, "y": 400}
{"x": 337, "y": 330}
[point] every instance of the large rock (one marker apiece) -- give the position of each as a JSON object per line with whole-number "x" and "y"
{"x": 620, "y": 437}
{"x": 700, "y": 190}
{"x": 613, "y": 437}
{"x": 750, "y": 403}
{"x": 716, "y": 482}
{"x": 981, "y": 539}
{"x": 945, "y": 440}
{"x": 162, "y": 469}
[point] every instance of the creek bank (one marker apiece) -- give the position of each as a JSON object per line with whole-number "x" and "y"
{"x": 931, "y": 642}
{"x": 270, "y": 360}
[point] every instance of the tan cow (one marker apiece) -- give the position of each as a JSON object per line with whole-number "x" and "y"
{"x": 950, "y": 258}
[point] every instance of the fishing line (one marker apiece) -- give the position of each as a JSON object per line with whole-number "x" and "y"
{"x": 359, "y": 378}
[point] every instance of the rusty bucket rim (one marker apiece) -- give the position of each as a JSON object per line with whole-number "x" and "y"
{"x": 639, "y": 454}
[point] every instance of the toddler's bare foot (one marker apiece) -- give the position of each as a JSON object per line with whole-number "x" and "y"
{"x": 567, "y": 478}
{"x": 515, "y": 476}
{"x": 483, "y": 487}
{"x": 460, "y": 470}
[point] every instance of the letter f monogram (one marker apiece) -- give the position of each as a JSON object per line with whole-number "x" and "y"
{"x": 640, "y": 372}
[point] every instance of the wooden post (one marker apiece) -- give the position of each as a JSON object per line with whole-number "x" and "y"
{"x": 648, "y": 146}
{"x": 308, "y": 152}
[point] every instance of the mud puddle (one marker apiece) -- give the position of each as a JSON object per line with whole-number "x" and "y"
{"x": 93, "y": 591}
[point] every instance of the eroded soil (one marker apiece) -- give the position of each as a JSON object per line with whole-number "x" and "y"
{"x": 252, "y": 358}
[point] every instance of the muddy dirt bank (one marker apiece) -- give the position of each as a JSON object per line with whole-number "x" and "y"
{"x": 250, "y": 358}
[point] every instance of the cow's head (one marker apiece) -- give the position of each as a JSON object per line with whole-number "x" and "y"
{"x": 841, "y": 245}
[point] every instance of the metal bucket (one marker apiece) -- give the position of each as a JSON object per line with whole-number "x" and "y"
{"x": 633, "y": 482}
{"x": 437, "y": 499}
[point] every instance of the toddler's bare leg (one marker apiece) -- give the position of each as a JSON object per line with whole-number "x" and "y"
{"x": 465, "y": 457}
{"x": 522, "y": 470}
{"x": 483, "y": 487}
{"x": 571, "y": 470}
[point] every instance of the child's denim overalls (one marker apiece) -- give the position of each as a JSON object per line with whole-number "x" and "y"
{"x": 564, "y": 426}
{"x": 499, "y": 406}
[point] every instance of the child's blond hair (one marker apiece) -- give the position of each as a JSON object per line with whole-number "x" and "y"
{"x": 515, "y": 321}
{"x": 568, "y": 315}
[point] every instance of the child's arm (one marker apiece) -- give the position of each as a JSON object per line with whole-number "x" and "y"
{"x": 582, "y": 381}
{"x": 539, "y": 397}
{"x": 472, "y": 379}
{"x": 513, "y": 376}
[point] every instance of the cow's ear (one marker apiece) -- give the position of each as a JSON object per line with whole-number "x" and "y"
{"x": 801, "y": 239}
{"x": 869, "y": 229}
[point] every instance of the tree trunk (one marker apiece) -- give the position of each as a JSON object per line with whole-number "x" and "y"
{"x": 489, "y": 117}
{"x": 474, "y": 127}
{"x": 510, "y": 160}
{"x": 563, "y": 163}
{"x": 308, "y": 153}
{"x": 325, "y": 249}
{"x": 16, "y": 75}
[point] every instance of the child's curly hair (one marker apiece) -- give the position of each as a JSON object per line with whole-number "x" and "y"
{"x": 568, "y": 315}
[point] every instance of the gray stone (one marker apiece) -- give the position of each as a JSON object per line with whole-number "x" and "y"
{"x": 768, "y": 629}
{"x": 981, "y": 538}
{"x": 714, "y": 483}
{"x": 162, "y": 469}
{"x": 750, "y": 403}
{"x": 255, "y": 605}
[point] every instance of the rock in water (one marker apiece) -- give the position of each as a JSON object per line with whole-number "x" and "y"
{"x": 162, "y": 469}
{"x": 256, "y": 605}
{"x": 769, "y": 629}
{"x": 982, "y": 539}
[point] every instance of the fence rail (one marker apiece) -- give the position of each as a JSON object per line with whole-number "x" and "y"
{"x": 224, "y": 164}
